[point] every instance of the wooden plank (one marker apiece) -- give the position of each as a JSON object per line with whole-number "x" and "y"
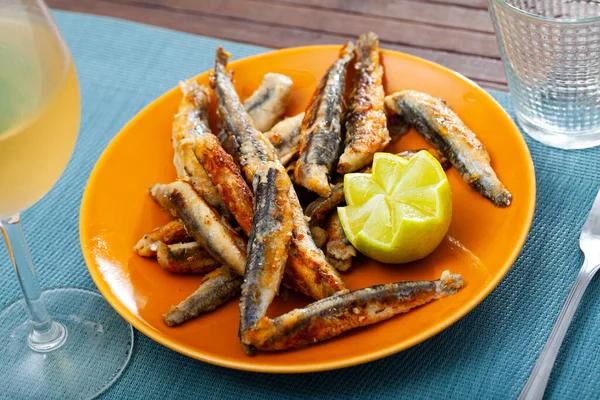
{"x": 328, "y": 21}
{"x": 418, "y": 11}
{"x": 484, "y": 70}
{"x": 488, "y": 72}
{"x": 464, "y": 3}
{"x": 495, "y": 86}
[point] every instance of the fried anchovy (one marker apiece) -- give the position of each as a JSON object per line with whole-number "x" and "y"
{"x": 278, "y": 97}
{"x": 307, "y": 269}
{"x": 338, "y": 249}
{"x": 319, "y": 235}
{"x": 321, "y": 131}
{"x": 215, "y": 289}
{"x": 187, "y": 165}
{"x": 202, "y": 223}
{"x": 285, "y": 136}
{"x": 221, "y": 242}
{"x": 447, "y": 132}
{"x": 334, "y": 315}
{"x": 172, "y": 232}
{"x": 267, "y": 104}
{"x": 185, "y": 258}
{"x": 396, "y": 126}
{"x": 218, "y": 164}
{"x": 230, "y": 145}
{"x": 319, "y": 208}
{"x": 254, "y": 149}
{"x": 267, "y": 246}
{"x": 366, "y": 126}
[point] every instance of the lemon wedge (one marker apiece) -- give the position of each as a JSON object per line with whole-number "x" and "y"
{"x": 401, "y": 211}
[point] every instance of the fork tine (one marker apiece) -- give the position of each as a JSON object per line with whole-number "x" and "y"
{"x": 591, "y": 228}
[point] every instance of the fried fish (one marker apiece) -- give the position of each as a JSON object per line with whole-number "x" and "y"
{"x": 172, "y": 232}
{"x": 366, "y": 126}
{"x": 187, "y": 165}
{"x": 307, "y": 269}
{"x": 218, "y": 164}
{"x": 271, "y": 108}
{"x": 337, "y": 314}
{"x": 338, "y": 249}
{"x": 268, "y": 244}
{"x": 321, "y": 131}
{"x": 202, "y": 223}
{"x": 253, "y": 148}
{"x": 267, "y": 105}
{"x": 185, "y": 258}
{"x": 215, "y": 289}
{"x": 447, "y": 132}
{"x": 285, "y": 137}
{"x": 317, "y": 210}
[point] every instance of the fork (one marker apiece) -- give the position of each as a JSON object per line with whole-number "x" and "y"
{"x": 589, "y": 242}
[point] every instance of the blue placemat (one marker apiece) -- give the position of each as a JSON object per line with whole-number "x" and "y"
{"x": 488, "y": 354}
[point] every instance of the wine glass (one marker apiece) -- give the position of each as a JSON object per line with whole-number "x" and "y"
{"x": 85, "y": 346}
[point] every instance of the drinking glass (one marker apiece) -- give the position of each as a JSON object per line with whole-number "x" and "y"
{"x": 551, "y": 53}
{"x": 85, "y": 346}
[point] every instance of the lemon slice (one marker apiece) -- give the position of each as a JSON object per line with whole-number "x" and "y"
{"x": 401, "y": 211}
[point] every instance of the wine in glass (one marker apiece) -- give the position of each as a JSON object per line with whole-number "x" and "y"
{"x": 73, "y": 345}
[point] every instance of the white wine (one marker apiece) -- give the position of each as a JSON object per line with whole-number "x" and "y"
{"x": 39, "y": 120}
{"x": 39, "y": 111}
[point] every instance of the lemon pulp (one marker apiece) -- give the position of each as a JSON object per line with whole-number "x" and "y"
{"x": 399, "y": 212}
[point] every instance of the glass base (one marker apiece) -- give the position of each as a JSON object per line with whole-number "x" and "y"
{"x": 559, "y": 139}
{"x": 96, "y": 351}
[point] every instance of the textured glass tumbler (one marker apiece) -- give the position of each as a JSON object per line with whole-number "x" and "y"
{"x": 551, "y": 53}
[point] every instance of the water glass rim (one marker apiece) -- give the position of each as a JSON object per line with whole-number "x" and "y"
{"x": 570, "y": 21}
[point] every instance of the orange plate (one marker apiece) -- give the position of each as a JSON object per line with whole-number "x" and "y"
{"x": 117, "y": 210}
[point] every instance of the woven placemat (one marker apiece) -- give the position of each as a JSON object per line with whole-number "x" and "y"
{"x": 123, "y": 66}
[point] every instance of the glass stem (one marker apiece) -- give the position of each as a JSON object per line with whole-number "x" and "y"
{"x": 45, "y": 334}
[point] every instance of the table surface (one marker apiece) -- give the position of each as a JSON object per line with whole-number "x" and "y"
{"x": 488, "y": 354}
{"x": 455, "y": 33}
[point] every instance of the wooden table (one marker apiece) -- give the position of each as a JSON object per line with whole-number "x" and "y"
{"x": 454, "y": 33}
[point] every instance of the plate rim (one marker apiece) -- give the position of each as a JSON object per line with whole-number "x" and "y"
{"x": 164, "y": 340}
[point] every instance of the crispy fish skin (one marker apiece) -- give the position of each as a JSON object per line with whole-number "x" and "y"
{"x": 338, "y": 249}
{"x": 321, "y": 131}
{"x": 267, "y": 104}
{"x": 307, "y": 270}
{"x": 447, "y": 132}
{"x": 366, "y": 125}
{"x": 396, "y": 125}
{"x": 319, "y": 208}
{"x": 226, "y": 176}
{"x": 332, "y": 316}
{"x": 285, "y": 137}
{"x": 218, "y": 164}
{"x": 202, "y": 223}
{"x": 185, "y": 258}
{"x": 319, "y": 235}
{"x": 253, "y": 148}
{"x": 278, "y": 97}
{"x": 230, "y": 145}
{"x": 187, "y": 165}
{"x": 171, "y": 232}
{"x": 267, "y": 246}
{"x": 215, "y": 289}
